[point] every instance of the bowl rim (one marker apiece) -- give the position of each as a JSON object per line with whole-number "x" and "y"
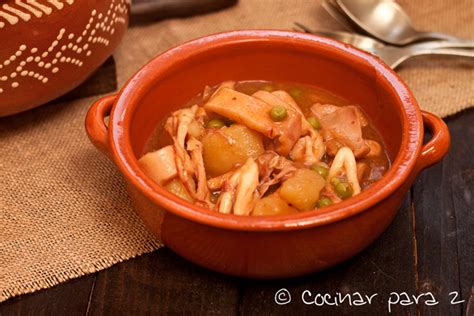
{"x": 138, "y": 85}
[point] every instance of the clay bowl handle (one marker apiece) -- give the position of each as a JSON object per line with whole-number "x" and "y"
{"x": 438, "y": 146}
{"x": 96, "y": 128}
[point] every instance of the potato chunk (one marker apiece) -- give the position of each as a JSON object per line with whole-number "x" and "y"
{"x": 224, "y": 148}
{"x": 176, "y": 187}
{"x": 272, "y": 205}
{"x": 302, "y": 189}
{"x": 217, "y": 153}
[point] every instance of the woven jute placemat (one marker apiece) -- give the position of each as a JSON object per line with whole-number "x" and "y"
{"x": 64, "y": 211}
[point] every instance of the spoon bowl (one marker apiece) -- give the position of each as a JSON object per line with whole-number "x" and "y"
{"x": 387, "y": 21}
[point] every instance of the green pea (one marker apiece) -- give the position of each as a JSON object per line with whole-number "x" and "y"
{"x": 295, "y": 93}
{"x": 321, "y": 170}
{"x": 278, "y": 113}
{"x": 323, "y": 202}
{"x": 335, "y": 181}
{"x": 268, "y": 88}
{"x": 314, "y": 122}
{"x": 344, "y": 190}
{"x": 215, "y": 123}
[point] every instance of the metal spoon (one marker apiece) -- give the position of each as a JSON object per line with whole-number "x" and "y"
{"x": 386, "y": 20}
{"x": 393, "y": 55}
{"x": 335, "y": 12}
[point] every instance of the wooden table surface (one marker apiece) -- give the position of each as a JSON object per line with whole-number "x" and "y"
{"x": 426, "y": 255}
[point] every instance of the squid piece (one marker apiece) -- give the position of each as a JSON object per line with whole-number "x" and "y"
{"x": 246, "y": 190}
{"x": 362, "y": 118}
{"x": 273, "y": 99}
{"x": 241, "y": 108}
{"x": 282, "y": 98}
{"x": 227, "y": 84}
{"x": 239, "y": 194}
{"x": 344, "y": 163}
{"x": 315, "y": 145}
{"x": 273, "y": 169}
{"x": 216, "y": 183}
{"x": 208, "y": 91}
{"x": 195, "y": 148}
{"x": 177, "y": 126}
{"x": 375, "y": 148}
{"x": 285, "y": 96}
{"x": 159, "y": 165}
{"x": 254, "y": 113}
{"x": 308, "y": 149}
{"x": 197, "y": 125}
{"x": 341, "y": 127}
{"x": 288, "y": 99}
{"x": 196, "y": 129}
{"x": 189, "y": 165}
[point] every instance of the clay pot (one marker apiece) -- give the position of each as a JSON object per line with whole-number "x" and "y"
{"x": 270, "y": 246}
{"x": 50, "y": 47}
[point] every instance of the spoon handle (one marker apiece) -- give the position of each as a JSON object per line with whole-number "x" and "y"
{"x": 442, "y": 44}
{"x": 394, "y": 61}
{"x": 439, "y": 36}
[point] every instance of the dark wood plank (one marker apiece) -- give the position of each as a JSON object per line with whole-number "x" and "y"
{"x": 69, "y": 298}
{"x": 445, "y": 221}
{"x": 162, "y": 282}
{"x": 462, "y": 193}
{"x": 386, "y": 266}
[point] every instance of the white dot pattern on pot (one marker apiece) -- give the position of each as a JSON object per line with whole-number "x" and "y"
{"x": 67, "y": 48}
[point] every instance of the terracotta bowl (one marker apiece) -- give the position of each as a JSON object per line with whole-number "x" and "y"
{"x": 50, "y": 47}
{"x": 278, "y": 246}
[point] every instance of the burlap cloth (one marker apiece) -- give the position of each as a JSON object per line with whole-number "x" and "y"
{"x": 63, "y": 208}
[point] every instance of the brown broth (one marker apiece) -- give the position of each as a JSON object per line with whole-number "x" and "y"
{"x": 306, "y": 96}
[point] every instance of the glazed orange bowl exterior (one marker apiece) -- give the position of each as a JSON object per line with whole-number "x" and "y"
{"x": 50, "y": 47}
{"x": 267, "y": 246}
